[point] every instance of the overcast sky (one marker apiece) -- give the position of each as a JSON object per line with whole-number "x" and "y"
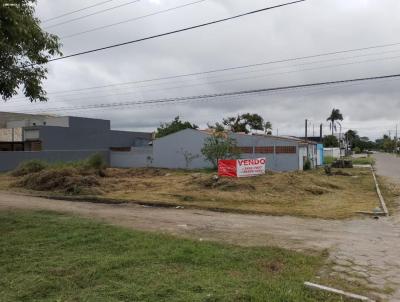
{"x": 311, "y": 27}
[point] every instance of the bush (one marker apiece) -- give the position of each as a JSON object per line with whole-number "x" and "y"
{"x": 66, "y": 180}
{"x": 357, "y": 150}
{"x": 329, "y": 160}
{"x": 95, "y": 161}
{"x": 307, "y": 165}
{"x": 28, "y": 167}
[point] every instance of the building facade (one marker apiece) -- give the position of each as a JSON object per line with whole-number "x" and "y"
{"x": 182, "y": 150}
{"x": 65, "y": 138}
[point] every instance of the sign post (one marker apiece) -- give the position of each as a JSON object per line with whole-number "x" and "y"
{"x": 241, "y": 167}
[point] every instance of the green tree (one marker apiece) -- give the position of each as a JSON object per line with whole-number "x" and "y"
{"x": 219, "y": 146}
{"x": 24, "y": 50}
{"x": 351, "y": 136}
{"x": 244, "y": 123}
{"x": 330, "y": 141}
{"x": 174, "y": 126}
{"x": 268, "y": 128}
{"x": 333, "y": 118}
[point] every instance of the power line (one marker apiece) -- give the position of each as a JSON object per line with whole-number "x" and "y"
{"x": 226, "y": 94}
{"x": 174, "y": 31}
{"x": 229, "y": 80}
{"x": 131, "y": 20}
{"x": 91, "y": 14}
{"x": 76, "y": 11}
{"x": 226, "y": 69}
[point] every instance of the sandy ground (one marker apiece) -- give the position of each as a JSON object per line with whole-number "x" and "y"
{"x": 364, "y": 250}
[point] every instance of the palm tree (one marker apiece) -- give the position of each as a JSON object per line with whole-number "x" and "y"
{"x": 334, "y": 117}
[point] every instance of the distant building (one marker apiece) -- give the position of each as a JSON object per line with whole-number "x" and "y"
{"x": 172, "y": 151}
{"x": 60, "y": 138}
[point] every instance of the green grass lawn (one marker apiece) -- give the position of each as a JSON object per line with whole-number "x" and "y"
{"x": 55, "y": 257}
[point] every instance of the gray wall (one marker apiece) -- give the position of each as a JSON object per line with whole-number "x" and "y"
{"x": 168, "y": 151}
{"x": 136, "y": 158}
{"x": 10, "y": 160}
{"x": 88, "y": 138}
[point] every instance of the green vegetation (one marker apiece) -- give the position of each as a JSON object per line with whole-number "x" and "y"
{"x": 24, "y": 50}
{"x": 219, "y": 146}
{"x": 307, "y": 165}
{"x": 334, "y": 118}
{"x": 368, "y": 160}
{"x": 71, "y": 178}
{"x": 330, "y": 141}
{"x": 28, "y": 167}
{"x": 174, "y": 126}
{"x": 329, "y": 160}
{"x": 54, "y": 257}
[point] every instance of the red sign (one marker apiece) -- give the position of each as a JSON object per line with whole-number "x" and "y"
{"x": 241, "y": 167}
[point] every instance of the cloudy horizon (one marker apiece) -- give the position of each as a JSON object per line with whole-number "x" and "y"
{"x": 307, "y": 28}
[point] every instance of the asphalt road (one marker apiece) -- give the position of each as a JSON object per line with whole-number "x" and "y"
{"x": 388, "y": 165}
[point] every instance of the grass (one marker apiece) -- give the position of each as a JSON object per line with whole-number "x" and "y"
{"x": 55, "y": 257}
{"x": 307, "y": 194}
{"x": 329, "y": 160}
{"x": 367, "y": 160}
{"x": 310, "y": 194}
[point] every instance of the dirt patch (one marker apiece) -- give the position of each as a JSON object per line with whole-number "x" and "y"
{"x": 316, "y": 190}
{"x": 225, "y": 184}
{"x": 274, "y": 267}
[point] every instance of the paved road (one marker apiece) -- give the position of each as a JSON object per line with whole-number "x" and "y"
{"x": 364, "y": 250}
{"x": 388, "y": 165}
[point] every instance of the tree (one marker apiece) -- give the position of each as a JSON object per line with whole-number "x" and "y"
{"x": 24, "y": 50}
{"x": 268, "y": 128}
{"x": 174, "y": 126}
{"x": 219, "y": 146}
{"x": 351, "y": 136}
{"x": 244, "y": 123}
{"x": 333, "y": 118}
{"x": 330, "y": 141}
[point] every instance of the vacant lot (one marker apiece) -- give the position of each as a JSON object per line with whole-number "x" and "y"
{"x": 54, "y": 257}
{"x": 309, "y": 194}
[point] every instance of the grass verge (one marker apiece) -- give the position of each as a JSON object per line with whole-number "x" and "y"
{"x": 55, "y": 257}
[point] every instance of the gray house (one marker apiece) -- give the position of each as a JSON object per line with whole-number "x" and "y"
{"x": 64, "y": 138}
{"x": 183, "y": 150}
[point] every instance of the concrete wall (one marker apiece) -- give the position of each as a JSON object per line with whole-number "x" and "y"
{"x": 88, "y": 138}
{"x": 332, "y": 152}
{"x": 136, "y": 158}
{"x": 168, "y": 151}
{"x": 10, "y": 160}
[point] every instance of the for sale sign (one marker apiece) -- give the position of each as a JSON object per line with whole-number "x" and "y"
{"x": 241, "y": 167}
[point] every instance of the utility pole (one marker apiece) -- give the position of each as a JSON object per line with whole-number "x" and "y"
{"x": 320, "y": 133}
{"x": 306, "y": 133}
{"x": 395, "y": 141}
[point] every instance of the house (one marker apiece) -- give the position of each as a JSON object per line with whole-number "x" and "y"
{"x": 60, "y": 138}
{"x": 183, "y": 150}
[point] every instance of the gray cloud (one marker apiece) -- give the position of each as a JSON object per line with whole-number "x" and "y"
{"x": 312, "y": 27}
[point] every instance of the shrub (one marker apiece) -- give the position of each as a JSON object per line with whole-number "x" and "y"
{"x": 95, "y": 161}
{"x": 307, "y": 165}
{"x": 357, "y": 150}
{"x": 28, "y": 167}
{"x": 329, "y": 160}
{"x": 66, "y": 180}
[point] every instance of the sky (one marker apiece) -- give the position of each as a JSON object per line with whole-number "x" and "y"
{"x": 307, "y": 28}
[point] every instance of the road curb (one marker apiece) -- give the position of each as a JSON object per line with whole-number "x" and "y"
{"x": 337, "y": 291}
{"x": 378, "y": 191}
